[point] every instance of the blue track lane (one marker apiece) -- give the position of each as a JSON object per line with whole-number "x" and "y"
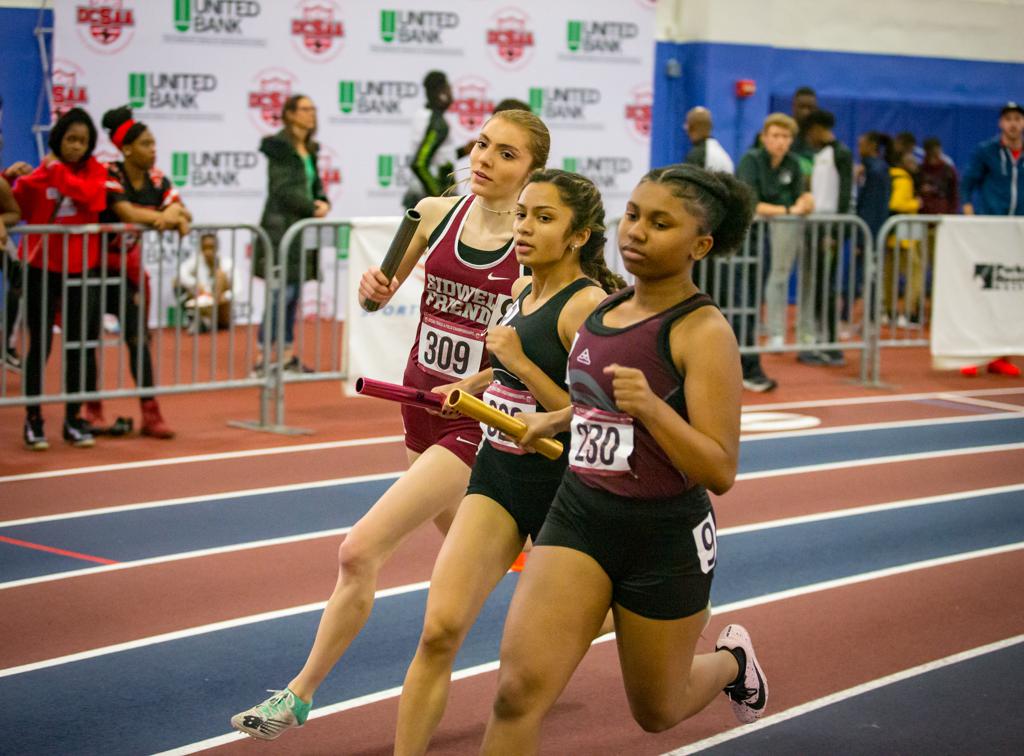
{"x": 875, "y": 722}
{"x": 174, "y": 693}
{"x": 158, "y": 531}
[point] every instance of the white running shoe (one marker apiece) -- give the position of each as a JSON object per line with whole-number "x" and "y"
{"x": 267, "y": 720}
{"x": 748, "y": 694}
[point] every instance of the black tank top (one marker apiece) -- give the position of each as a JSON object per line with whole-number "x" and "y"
{"x": 538, "y": 334}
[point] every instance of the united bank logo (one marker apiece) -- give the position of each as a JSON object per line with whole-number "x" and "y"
{"x": 317, "y": 30}
{"x": 606, "y": 171}
{"x": 638, "y": 112}
{"x": 106, "y": 26}
{"x": 216, "y": 17}
{"x": 566, "y": 106}
{"x": 471, "y": 102}
{"x": 67, "y": 87}
{"x": 217, "y": 170}
{"x": 999, "y": 277}
{"x": 424, "y": 30}
{"x": 394, "y": 172}
{"x": 604, "y": 39}
{"x": 510, "y": 39}
{"x": 376, "y": 99}
{"x": 270, "y": 89}
{"x": 169, "y": 92}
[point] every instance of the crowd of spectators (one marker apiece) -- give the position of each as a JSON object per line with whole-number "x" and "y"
{"x": 797, "y": 168}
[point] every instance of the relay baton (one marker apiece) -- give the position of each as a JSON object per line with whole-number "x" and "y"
{"x": 393, "y": 258}
{"x": 470, "y": 406}
{"x": 401, "y": 394}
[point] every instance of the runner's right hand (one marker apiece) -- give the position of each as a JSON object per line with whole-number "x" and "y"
{"x": 376, "y": 287}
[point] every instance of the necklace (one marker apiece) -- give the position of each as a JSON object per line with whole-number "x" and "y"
{"x": 496, "y": 212}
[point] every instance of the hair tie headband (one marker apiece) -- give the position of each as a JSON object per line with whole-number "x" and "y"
{"x": 121, "y": 132}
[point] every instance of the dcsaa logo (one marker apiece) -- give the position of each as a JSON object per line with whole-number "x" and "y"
{"x": 638, "y": 112}
{"x": 317, "y": 30}
{"x": 106, "y": 26}
{"x": 271, "y": 88}
{"x": 471, "y": 102}
{"x": 68, "y": 89}
{"x": 328, "y": 166}
{"x": 509, "y": 37}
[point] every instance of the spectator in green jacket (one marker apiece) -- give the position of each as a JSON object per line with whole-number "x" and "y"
{"x": 294, "y": 192}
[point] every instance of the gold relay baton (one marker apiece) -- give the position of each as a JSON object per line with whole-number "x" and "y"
{"x": 470, "y": 406}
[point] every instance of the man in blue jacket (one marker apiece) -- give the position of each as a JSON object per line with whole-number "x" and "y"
{"x": 995, "y": 176}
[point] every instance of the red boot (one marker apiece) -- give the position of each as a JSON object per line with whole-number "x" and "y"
{"x": 92, "y": 413}
{"x": 153, "y": 422}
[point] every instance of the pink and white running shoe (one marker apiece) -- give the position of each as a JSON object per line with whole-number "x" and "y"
{"x": 748, "y": 694}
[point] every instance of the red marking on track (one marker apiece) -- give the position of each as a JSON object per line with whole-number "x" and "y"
{"x": 54, "y": 550}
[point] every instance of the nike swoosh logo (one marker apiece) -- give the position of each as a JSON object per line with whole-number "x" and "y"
{"x": 465, "y": 440}
{"x": 759, "y": 703}
{"x": 492, "y": 277}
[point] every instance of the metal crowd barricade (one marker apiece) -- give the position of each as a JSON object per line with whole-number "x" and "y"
{"x": 108, "y": 313}
{"x": 905, "y": 249}
{"x": 830, "y": 261}
{"x": 321, "y": 246}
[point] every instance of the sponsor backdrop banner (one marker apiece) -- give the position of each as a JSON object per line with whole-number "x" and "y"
{"x": 979, "y": 288}
{"x": 210, "y": 76}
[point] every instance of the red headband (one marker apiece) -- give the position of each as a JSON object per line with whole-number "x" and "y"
{"x": 121, "y": 132}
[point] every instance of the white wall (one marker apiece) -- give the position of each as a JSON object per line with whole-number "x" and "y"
{"x": 969, "y": 29}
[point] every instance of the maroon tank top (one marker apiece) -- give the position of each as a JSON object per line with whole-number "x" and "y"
{"x": 466, "y": 291}
{"x": 611, "y": 450}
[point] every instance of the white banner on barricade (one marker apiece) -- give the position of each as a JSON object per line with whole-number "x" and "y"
{"x": 378, "y": 343}
{"x": 978, "y": 299}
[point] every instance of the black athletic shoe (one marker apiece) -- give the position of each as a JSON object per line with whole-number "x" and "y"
{"x": 77, "y": 433}
{"x": 812, "y": 358}
{"x": 33, "y": 434}
{"x": 759, "y": 382}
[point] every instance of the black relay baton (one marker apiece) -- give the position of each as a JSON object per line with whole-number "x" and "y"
{"x": 395, "y": 253}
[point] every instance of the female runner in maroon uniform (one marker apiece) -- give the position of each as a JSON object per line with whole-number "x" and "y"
{"x": 655, "y": 383}
{"x": 469, "y": 275}
{"x": 559, "y": 233}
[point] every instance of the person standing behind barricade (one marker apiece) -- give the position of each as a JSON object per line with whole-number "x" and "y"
{"x": 832, "y": 188}
{"x": 68, "y": 188}
{"x": 705, "y": 152}
{"x": 10, "y": 214}
{"x": 137, "y": 192}
{"x": 433, "y": 161}
{"x": 993, "y": 184}
{"x": 774, "y": 173}
{"x": 294, "y": 192}
{"x": 470, "y": 268}
{"x": 903, "y": 200}
{"x": 873, "y": 190}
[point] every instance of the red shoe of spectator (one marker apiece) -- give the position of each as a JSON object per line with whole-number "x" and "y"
{"x": 92, "y": 413}
{"x": 1003, "y": 366}
{"x": 153, "y": 422}
{"x": 970, "y": 371}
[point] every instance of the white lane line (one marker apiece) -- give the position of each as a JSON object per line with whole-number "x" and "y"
{"x": 193, "y": 631}
{"x": 826, "y": 430}
{"x": 742, "y": 528}
{"x": 869, "y": 461}
{"x": 843, "y": 695}
{"x": 143, "y": 463}
{"x": 894, "y": 398}
{"x": 350, "y": 480}
{"x": 743, "y": 476}
{"x": 182, "y": 555}
{"x": 885, "y": 399}
{"x": 988, "y": 403}
{"x": 717, "y": 611}
{"x": 836, "y": 514}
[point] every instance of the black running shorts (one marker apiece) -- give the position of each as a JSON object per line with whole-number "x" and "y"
{"x": 659, "y": 553}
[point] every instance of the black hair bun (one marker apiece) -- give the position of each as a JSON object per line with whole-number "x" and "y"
{"x": 112, "y": 119}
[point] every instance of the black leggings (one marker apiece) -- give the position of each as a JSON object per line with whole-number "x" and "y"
{"x": 140, "y": 360}
{"x": 44, "y": 284}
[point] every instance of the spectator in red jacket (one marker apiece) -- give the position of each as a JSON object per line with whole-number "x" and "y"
{"x": 939, "y": 181}
{"x": 68, "y": 188}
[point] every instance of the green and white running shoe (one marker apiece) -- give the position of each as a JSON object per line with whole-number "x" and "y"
{"x": 267, "y": 720}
